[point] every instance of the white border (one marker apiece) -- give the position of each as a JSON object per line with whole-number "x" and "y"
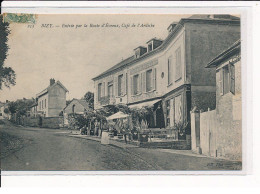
{"x": 243, "y": 8}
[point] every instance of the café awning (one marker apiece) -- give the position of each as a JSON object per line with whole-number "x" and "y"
{"x": 118, "y": 115}
{"x": 144, "y": 104}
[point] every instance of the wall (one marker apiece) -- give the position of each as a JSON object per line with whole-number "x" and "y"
{"x": 208, "y": 133}
{"x": 115, "y": 99}
{"x": 31, "y": 122}
{"x": 203, "y": 43}
{"x": 57, "y": 100}
{"x": 41, "y": 100}
{"x": 52, "y": 122}
{"x": 220, "y": 130}
{"x": 77, "y": 108}
{"x": 229, "y": 117}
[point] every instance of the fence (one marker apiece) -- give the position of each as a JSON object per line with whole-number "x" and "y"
{"x": 204, "y": 132}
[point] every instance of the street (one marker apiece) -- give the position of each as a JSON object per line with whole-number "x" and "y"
{"x": 26, "y": 149}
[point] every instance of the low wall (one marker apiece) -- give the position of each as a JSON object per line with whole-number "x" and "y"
{"x": 47, "y": 122}
{"x": 177, "y": 145}
{"x": 31, "y": 122}
{"x": 52, "y": 122}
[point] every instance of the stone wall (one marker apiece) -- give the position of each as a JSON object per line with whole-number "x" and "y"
{"x": 31, "y": 122}
{"x": 52, "y": 122}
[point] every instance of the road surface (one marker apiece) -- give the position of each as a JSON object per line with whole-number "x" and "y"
{"x": 26, "y": 149}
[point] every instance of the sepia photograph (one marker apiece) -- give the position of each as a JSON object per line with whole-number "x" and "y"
{"x": 121, "y": 92}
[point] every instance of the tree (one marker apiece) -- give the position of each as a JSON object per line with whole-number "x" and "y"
{"x": 89, "y": 97}
{"x": 7, "y": 74}
{"x": 20, "y": 106}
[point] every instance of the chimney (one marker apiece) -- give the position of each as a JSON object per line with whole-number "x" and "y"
{"x": 52, "y": 81}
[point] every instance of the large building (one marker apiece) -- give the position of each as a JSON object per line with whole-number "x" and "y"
{"x": 170, "y": 73}
{"x": 52, "y": 100}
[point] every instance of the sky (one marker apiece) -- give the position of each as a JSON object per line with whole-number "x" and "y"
{"x": 75, "y": 55}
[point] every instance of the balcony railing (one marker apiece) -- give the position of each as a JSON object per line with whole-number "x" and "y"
{"x": 107, "y": 100}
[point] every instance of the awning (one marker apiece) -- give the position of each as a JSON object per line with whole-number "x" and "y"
{"x": 118, "y": 115}
{"x": 143, "y": 104}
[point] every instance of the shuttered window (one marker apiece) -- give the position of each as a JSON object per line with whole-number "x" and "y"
{"x": 99, "y": 90}
{"x": 178, "y": 71}
{"x": 232, "y": 78}
{"x": 136, "y": 84}
{"x": 110, "y": 89}
{"x": 149, "y": 80}
{"x": 120, "y": 85}
{"x": 226, "y": 79}
{"x": 170, "y": 72}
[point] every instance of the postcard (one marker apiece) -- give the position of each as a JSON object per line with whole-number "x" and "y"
{"x": 128, "y": 93}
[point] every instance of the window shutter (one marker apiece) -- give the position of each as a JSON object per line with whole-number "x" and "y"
{"x": 232, "y": 78}
{"x": 132, "y": 85}
{"x": 104, "y": 89}
{"x": 125, "y": 89}
{"x": 221, "y": 81}
{"x": 143, "y": 82}
{"x": 154, "y": 78}
{"x": 140, "y": 83}
{"x": 116, "y": 85}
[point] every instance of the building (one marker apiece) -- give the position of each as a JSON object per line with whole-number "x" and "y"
{"x": 227, "y": 66}
{"x": 171, "y": 73}
{"x": 52, "y": 100}
{"x": 76, "y": 106}
{"x": 3, "y": 114}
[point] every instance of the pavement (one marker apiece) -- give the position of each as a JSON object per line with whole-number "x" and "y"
{"x": 28, "y": 148}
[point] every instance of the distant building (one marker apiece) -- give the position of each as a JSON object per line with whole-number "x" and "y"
{"x": 52, "y": 100}
{"x": 228, "y": 102}
{"x": 170, "y": 73}
{"x": 77, "y": 106}
{"x": 4, "y": 115}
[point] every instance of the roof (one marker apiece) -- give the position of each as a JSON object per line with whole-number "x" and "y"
{"x": 82, "y": 102}
{"x": 46, "y": 90}
{"x": 233, "y": 49}
{"x": 195, "y": 18}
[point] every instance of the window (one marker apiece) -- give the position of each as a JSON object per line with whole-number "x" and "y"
{"x": 99, "y": 90}
{"x": 73, "y": 108}
{"x": 150, "y": 47}
{"x": 110, "y": 89}
{"x": 149, "y": 84}
{"x": 170, "y": 72}
{"x": 120, "y": 85}
{"x": 136, "y": 84}
{"x": 168, "y": 109}
{"x": 178, "y": 71}
{"x": 227, "y": 79}
{"x": 40, "y": 106}
{"x": 45, "y": 103}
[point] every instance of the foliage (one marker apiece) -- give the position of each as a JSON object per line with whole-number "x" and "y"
{"x": 89, "y": 97}
{"x": 6, "y": 111}
{"x": 181, "y": 127}
{"x": 20, "y": 106}
{"x": 7, "y": 74}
